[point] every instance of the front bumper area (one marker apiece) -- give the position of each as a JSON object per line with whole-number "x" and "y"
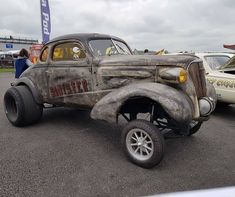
{"x": 206, "y": 106}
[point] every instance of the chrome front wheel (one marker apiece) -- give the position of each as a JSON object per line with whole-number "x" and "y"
{"x": 139, "y": 144}
{"x": 143, "y": 143}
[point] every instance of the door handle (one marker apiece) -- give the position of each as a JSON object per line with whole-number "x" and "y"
{"x": 59, "y": 77}
{"x": 48, "y": 72}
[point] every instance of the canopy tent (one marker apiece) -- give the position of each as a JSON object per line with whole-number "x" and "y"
{"x": 229, "y": 46}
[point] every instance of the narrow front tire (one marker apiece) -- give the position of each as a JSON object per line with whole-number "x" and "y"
{"x": 143, "y": 143}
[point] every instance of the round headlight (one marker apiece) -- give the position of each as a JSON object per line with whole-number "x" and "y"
{"x": 182, "y": 76}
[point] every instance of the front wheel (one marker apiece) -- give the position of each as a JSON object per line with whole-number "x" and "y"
{"x": 143, "y": 143}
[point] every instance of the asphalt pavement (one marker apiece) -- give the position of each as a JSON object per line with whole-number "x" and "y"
{"x": 69, "y": 154}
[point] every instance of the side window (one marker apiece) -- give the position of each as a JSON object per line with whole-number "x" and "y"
{"x": 69, "y": 51}
{"x": 44, "y": 55}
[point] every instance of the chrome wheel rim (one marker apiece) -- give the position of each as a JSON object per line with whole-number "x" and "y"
{"x": 139, "y": 144}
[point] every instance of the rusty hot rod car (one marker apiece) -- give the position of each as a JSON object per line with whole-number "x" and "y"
{"x": 155, "y": 94}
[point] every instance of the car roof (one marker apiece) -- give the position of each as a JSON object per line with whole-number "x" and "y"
{"x": 84, "y": 37}
{"x": 215, "y": 54}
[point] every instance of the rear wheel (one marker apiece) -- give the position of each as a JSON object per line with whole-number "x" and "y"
{"x": 20, "y": 106}
{"x": 143, "y": 143}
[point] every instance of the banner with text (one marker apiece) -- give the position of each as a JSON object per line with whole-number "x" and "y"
{"x": 45, "y": 20}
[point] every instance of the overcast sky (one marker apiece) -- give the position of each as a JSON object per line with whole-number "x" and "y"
{"x": 176, "y": 25}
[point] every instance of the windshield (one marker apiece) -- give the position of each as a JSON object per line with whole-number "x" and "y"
{"x": 216, "y": 62}
{"x": 230, "y": 63}
{"x": 107, "y": 47}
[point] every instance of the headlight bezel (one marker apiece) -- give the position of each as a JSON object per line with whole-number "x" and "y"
{"x": 174, "y": 75}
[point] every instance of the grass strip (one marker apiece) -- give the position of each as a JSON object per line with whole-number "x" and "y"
{"x": 7, "y": 70}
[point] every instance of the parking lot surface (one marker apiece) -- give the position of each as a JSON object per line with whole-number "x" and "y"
{"x": 69, "y": 154}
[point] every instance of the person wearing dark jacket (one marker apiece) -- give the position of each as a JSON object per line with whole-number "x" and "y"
{"x": 22, "y": 63}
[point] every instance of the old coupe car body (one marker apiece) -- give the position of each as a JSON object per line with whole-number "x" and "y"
{"x": 100, "y": 73}
{"x": 221, "y": 74}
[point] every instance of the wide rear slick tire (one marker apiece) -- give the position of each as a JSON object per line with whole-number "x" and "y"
{"x": 143, "y": 143}
{"x": 20, "y": 106}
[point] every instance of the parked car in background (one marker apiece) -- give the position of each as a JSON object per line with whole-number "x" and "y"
{"x": 214, "y": 61}
{"x": 7, "y": 58}
{"x": 220, "y": 72}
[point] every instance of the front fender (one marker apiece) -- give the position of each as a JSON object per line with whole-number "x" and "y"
{"x": 173, "y": 101}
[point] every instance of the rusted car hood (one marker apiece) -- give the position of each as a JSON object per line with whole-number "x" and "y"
{"x": 145, "y": 60}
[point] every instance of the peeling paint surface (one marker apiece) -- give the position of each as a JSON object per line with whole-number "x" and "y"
{"x": 104, "y": 83}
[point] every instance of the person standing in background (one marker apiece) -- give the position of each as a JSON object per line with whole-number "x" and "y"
{"x": 22, "y": 63}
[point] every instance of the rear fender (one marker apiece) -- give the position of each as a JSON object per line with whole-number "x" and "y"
{"x": 27, "y": 82}
{"x": 173, "y": 101}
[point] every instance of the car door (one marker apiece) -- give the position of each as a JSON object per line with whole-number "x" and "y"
{"x": 69, "y": 74}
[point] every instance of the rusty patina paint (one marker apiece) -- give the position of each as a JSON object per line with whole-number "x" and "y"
{"x": 175, "y": 103}
{"x": 106, "y": 82}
